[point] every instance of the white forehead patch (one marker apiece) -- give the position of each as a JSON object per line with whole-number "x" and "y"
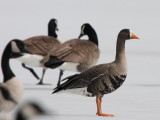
{"x": 130, "y": 32}
{"x": 14, "y": 47}
{"x": 82, "y": 30}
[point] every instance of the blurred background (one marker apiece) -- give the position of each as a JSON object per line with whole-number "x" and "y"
{"x": 24, "y": 19}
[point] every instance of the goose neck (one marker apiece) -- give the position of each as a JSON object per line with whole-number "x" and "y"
{"x": 52, "y": 32}
{"x": 6, "y": 70}
{"x": 120, "y": 51}
{"x": 93, "y": 37}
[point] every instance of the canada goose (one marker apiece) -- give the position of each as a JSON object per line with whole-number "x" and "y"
{"x": 25, "y": 112}
{"x": 78, "y": 55}
{"x": 41, "y": 45}
{"x": 101, "y": 79}
{"x": 11, "y": 90}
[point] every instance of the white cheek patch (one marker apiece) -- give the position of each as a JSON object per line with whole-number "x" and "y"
{"x": 56, "y": 24}
{"x": 82, "y": 30}
{"x": 14, "y": 47}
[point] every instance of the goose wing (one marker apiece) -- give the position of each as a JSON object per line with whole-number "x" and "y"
{"x": 85, "y": 78}
{"x": 77, "y": 51}
{"x": 41, "y": 45}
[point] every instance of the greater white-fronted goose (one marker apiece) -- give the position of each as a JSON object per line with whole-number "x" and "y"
{"x": 77, "y": 54}
{"x": 41, "y": 45}
{"x": 101, "y": 79}
{"x": 26, "y": 111}
{"x": 11, "y": 90}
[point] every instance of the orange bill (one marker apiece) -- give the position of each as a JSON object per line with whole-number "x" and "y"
{"x": 133, "y": 36}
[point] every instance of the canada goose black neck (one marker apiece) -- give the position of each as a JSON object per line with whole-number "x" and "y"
{"x": 93, "y": 36}
{"x": 7, "y": 72}
{"x": 52, "y": 26}
{"x": 91, "y": 33}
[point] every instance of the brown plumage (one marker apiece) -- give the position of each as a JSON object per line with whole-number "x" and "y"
{"x": 41, "y": 45}
{"x": 84, "y": 52}
{"x": 101, "y": 79}
{"x": 78, "y": 55}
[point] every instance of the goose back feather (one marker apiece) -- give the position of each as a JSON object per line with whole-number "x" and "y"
{"x": 41, "y": 45}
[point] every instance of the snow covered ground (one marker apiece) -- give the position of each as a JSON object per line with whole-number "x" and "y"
{"x": 139, "y": 96}
{"x": 130, "y": 102}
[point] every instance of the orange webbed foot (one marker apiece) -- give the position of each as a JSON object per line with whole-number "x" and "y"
{"x": 103, "y": 114}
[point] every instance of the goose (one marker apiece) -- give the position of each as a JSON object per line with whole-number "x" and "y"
{"x": 76, "y": 54}
{"x": 25, "y": 112}
{"x": 100, "y": 79}
{"x": 40, "y": 46}
{"x": 11, "y": 89}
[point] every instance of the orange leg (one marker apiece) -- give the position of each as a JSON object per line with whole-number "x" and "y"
{"x": 99, "y": 109}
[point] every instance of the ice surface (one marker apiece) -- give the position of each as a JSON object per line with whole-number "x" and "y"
{"x": 139, "y": 96}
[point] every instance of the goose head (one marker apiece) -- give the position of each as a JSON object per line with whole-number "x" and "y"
{"x": 53, "y": 23}
{"x": 126, "y": 34}
{"x": 85, "y": 29}
{"x": 18, "y": 48}
{"x": 52, "y": 28}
